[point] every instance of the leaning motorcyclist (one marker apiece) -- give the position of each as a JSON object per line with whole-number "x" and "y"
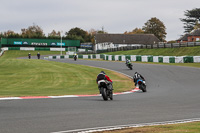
{"x": 102, "y": 76}
{"x": 127, "y": 61}
{"x": 137, "y": 76}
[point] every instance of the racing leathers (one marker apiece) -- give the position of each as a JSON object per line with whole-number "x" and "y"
{"x": 103, "y": 76}
{"x": 127, "y": 61}
{"x": 137, "y": 76}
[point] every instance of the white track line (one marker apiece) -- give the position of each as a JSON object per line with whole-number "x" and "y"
{"x": 109, "y": 128}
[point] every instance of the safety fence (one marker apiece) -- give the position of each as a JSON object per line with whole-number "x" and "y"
{"x": 150, "y": 46}
{"x": 140, "y": 58}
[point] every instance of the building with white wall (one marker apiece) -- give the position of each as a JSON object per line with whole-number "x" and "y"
{"x": 106, "y": 41}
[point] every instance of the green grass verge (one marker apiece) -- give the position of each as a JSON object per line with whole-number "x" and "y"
{"x": 24, "y": 77}
{"x": 13, "y": 54}
{"x": 190, "y": 51}
{"x": 193, "y": 127}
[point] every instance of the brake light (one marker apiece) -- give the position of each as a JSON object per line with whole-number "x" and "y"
{"x": 139, "y": 82}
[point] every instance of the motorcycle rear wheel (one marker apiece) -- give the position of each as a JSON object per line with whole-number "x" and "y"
{"x": 104, "y": 94}
{"x": 111, "y": 95}
{"x": 143, "y": 88}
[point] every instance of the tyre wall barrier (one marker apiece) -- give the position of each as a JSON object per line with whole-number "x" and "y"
{"x": 150, "y": 58}
{"x": 141, "y": 58}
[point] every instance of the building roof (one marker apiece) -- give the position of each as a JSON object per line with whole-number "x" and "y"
{"x": 127, "y": 38}
{"x": 184, "y": 37}
{"x": 195, "y": 32}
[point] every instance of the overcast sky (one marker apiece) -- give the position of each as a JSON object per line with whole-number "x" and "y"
{"x": 116, "y": 16}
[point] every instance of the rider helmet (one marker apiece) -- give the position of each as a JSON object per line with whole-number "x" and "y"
{"x": 103, "y": 72}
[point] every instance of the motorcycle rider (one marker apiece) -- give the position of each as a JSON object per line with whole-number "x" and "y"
{"x": 38, "y": 55}
{"x": 102, "y": 76}
{"x": 137, "y": 76}
{"x": 29, "y": 55}
{"x": 75, "y": 56}
{"x": 127, "y": 61}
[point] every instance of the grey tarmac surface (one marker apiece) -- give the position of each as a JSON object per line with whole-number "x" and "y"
{"x": 173, "y": 93}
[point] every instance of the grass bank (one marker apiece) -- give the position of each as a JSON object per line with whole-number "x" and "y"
{"x": 193, "y": 127}
{"x": 190, "y": 51}
{"x": 24, "y": 77}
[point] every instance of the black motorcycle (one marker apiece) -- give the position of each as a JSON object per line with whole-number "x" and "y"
{"x": 142, "y": 85}
{"x": 29, "y": 56}
{"x": 105, "y": 92}
{"x": 75, "y": 58}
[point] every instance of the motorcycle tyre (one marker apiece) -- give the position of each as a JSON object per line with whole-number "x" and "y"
{"x": 111, "y": 95}
{"x": 130, "y": 66}
{"x": 104, "y": 94}
{"x": 143, "y": 88}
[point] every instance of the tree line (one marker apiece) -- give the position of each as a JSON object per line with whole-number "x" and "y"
{"x": 152, "y": 26}
{"x": 36, "y": 31}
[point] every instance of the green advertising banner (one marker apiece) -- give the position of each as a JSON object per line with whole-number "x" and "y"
{"x": 40, "y": 42}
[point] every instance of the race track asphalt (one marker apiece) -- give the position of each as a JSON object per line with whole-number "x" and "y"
{"x": 173, "y": 93}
